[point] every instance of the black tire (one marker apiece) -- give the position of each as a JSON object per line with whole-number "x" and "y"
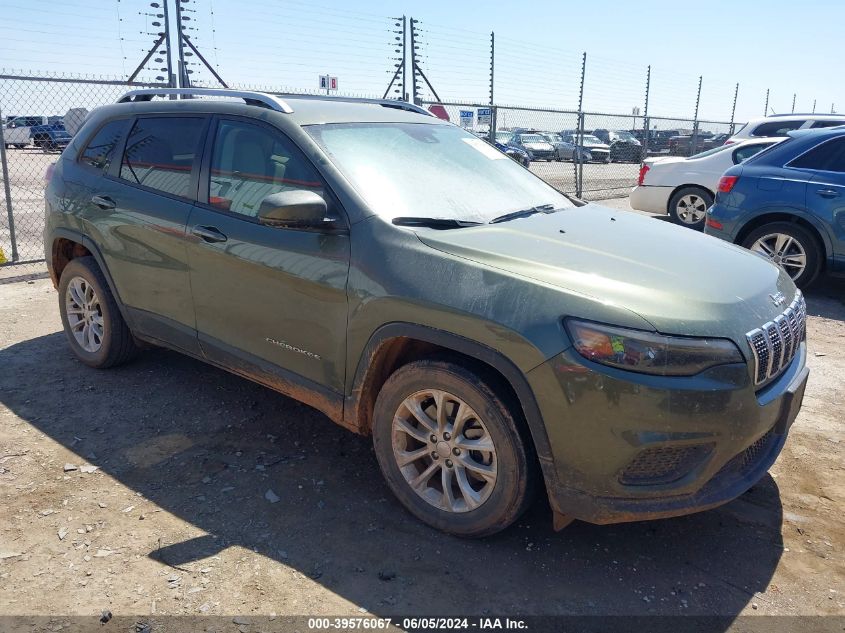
{"x": 20, "y": 145}
{"x": 516, "y": 472}
{"x": 117, "y": 345}
{"x": 697, "y": 193}
{"x": 807, "y": 241}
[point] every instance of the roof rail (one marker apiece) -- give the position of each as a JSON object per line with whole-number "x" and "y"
{"x": 261, "y": 99}
{"x": 387, "y": 103}
{"x": 815, "y": 114}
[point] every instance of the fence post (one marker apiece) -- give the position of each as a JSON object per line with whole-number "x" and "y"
{"x": 695, "y": 120}
{"x": 578, "y": 159}
{"x": 793, "y": 102}
{"x": 766, "y": 107}
{"x": 733, "y": 109}
{"x": 492, "y": 130}
{"x": 8, "y": 193}
{"x": 814, "y": 106}
{"x": 646, "y": 124}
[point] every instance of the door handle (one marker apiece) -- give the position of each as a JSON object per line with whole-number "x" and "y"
{"x": 104, "y": 202}
{"x": 828, "y": 193}
{"x": 208, "y": 234}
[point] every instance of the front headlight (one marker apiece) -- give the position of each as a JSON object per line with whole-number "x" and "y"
{"x": 649, "y": 352}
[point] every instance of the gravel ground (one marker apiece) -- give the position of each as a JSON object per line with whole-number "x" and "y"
{"x": 170, "y": 487}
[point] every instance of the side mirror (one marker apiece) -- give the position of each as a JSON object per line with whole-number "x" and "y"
{"x": 296, "y": 208}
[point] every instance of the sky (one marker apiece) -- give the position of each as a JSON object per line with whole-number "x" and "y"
{"x": 789, "y": 48}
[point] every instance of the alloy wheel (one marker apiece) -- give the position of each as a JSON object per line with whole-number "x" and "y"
{"x": 785, "y": 251}
{"x": 444, "y": 451}
{"x": 84, "y": 314}
{"x": 691, "y": 209}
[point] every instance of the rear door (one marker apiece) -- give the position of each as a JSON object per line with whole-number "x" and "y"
{"x": 826, "y": 192}
{"x": 266, "y": 298}
{"x": 138, "y": 217}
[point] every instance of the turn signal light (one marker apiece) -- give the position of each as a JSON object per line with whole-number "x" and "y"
{"x": 726, "y": 183}
{"x": 643, "y": 171}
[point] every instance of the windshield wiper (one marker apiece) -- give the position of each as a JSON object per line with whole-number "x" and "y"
{"x": 434, "y": 223}
{"x": 524, "y": 213}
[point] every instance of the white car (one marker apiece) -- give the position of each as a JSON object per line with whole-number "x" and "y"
{"x": 781, "y": 124}
{"x": 685, "y": 187}
{"x": 16, "y": 131}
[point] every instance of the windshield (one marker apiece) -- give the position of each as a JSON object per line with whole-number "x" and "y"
{"x": 503, "y": 136}
{"x": 552, "y": 138}
{"x": 589, "y": 139}
{"x": 625, "y": 136}
{"x": 531, "y": 138}
{"x": 431, "y": 170}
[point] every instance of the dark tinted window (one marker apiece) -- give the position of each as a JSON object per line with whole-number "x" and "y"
{"x": 828, "y": 123}
{"x": 829, "y": 156}
{"x": 777, "y": 128}
{"x": 250, "y": 162}
{"x": 160, "y": 153}
{"x": 102, "y": 147}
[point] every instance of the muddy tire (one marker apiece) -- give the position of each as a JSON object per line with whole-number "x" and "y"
{"x": 450, "y": 449}
{"x": 93, "y": 324}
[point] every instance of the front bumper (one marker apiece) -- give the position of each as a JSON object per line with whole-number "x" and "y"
{"x": 630, "y": 447}
{"x": 650, "y": 199}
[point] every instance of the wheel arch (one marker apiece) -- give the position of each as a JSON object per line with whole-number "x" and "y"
{"x": 791, "y": 216}
{"x": 68, "y": 244}
{"x": 396, "y": 344}
{"x": 685, "y": 186}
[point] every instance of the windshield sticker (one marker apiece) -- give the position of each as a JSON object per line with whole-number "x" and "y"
{"x": 485, "y": 148}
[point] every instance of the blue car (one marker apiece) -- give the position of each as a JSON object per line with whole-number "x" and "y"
{"x": 788, "y": 203}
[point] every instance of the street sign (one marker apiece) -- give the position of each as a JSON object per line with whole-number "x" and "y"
{"x": 466, "y": 118}
{"x": 484, "y": 116}
{"x": 327, "y": 82}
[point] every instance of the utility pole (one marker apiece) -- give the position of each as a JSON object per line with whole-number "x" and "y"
{"x": 695, "y": 120}
{"x": 793, "y": 102}
{"x": 185, "y": 40}
{"x": 415, "y": 65}
{"x": 646, "y": 122}
{"x": 492, "y": 131}
{"x": 162, "y": 37}
{"x": 766, "y": 107}
{"x": 578, "y": 159}
{"x": 400, "y": 60}
{"x": 733, "y": 109}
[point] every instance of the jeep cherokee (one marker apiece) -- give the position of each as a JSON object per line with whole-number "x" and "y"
{"x": 412, "y": 283}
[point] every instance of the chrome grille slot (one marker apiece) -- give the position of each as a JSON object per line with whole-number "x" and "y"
{"x": 773, "y": 346}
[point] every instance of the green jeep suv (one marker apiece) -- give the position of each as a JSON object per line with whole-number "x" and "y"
{"x": 414, "y": 284}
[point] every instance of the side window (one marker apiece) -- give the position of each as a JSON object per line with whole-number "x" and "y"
{"x": 777, "y": 128}
{"x": 250, "y": 162}
{"x": 160, "y": 153}
{"x": 829, "y": 156}
{"x": 819, "y": 124}
{"x": 101, "y": 149}
{"x": 747, "y": 151}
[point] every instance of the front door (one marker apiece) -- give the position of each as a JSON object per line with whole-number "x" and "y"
{"x": 266, "y": 298}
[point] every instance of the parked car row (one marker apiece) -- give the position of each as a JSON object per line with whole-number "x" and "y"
{"x": 781, "y": 196}
{"x": 47, "y": 133}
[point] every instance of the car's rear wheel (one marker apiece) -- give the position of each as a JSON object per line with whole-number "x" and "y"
{"x": 94, "y": 327}
{"x": 790, "y": 246}
{"x": 450, "y": 449}
{"x": 688, "y": 207}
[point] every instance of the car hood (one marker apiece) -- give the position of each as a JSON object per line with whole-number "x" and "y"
{"x": 589, "y": 145}
{"x": 538, "y": 145}
{"x": 679, "y": 280}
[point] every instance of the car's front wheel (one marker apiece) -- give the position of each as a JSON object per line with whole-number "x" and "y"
{"x": 790, "y": 246}
{"x": 94, "y": 327}
{"x": 450, "y": 449}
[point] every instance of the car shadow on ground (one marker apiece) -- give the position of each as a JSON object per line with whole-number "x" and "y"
{"x": 206, "y": 446}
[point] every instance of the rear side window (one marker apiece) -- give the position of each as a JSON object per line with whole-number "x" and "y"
{"x": 829, "y": 156}
{"x": 160, "y": 153}
{"x": 777, "y": 128}
{"x": 102, "y": 147}
{"x": 819, "y": 124}
{"x": 747, "y": 151}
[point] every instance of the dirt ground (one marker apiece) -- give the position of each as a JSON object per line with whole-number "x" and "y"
{"x": 170, "y": 487}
